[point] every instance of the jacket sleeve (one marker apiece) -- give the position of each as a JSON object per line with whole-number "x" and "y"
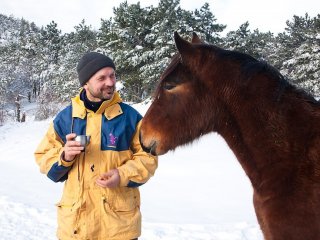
{"x": 48, "y": 156}
{"x": 140, "y": 168}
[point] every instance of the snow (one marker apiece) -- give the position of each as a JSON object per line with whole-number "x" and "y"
{"x": 199, "y": 191}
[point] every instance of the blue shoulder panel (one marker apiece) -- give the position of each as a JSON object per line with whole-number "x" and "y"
{"x": 117, "y": 133}
{"x": 64, "y": 124}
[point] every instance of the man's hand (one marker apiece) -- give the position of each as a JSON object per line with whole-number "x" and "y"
{"x": 109, "y": 179}
{"x": 71, "y": 148}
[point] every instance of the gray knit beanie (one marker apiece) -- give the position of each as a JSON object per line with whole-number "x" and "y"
{"x": 91, "y": 63}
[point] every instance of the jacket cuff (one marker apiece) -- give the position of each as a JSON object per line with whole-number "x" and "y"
{"x": 63, "y": 162}
{"x": 123, "y": 179}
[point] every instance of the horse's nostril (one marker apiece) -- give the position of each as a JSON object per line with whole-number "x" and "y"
{"x": 150, "y": 149}
{"x": 145, "y": 148}
{"x": 153, "y": 150}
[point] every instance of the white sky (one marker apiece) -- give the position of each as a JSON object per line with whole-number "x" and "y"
{"x": 268, "y": 15}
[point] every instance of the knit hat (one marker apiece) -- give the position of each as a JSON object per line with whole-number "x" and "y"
{"x": 91, "y": 63}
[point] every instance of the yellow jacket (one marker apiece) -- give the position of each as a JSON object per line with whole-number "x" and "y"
{"x": 87, "y": 211}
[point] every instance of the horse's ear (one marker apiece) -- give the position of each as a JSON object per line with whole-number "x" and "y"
{"x": 184, "y": 47}
{"x": 195, "y": 38}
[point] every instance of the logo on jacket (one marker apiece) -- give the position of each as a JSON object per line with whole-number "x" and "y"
{"x": 112, "y": 141}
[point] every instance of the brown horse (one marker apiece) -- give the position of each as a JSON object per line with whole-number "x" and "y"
{"x": 272, "y": 127}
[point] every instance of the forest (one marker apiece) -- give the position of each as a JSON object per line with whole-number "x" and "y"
{"x": 38, "y": 63}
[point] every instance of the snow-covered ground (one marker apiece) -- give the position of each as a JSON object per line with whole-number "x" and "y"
{"x": 199, "y": 191}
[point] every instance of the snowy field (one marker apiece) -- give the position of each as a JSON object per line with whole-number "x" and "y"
{"x": 199, "y": 191}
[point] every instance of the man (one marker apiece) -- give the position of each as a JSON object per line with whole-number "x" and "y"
{"x": 100, "y": 198}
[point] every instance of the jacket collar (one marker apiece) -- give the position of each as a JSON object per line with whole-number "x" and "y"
{"x": 110, "y": 108}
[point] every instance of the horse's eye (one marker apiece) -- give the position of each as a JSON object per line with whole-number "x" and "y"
{"x": 169, "y": 86}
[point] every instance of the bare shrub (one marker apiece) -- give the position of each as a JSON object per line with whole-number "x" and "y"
{"x": 48, "y": 106}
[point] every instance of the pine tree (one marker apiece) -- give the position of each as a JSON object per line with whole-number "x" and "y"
{"x": 166, "y": 18}
{"x": 76, "y": 43}
{"x": 205, "y": 25}
{"x": 46, "y": 75}
{"x": 124, "y": 40}
{"x": 17, "y": 56}
{"x": 257, "y": 44}
{"x": 303, "y": 47}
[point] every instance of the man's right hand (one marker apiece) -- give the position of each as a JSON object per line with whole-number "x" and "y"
{"x": 71, "y": 148}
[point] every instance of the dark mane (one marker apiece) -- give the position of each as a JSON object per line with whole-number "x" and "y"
{"x": 168, "y": 70}
{"x": 173, "y": 64}
{"x": 251, "y": 66}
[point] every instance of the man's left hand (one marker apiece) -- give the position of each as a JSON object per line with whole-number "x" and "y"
{"x": 109, "y": 179}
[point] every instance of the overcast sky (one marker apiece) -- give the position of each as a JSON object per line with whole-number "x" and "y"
{"x": 267, "y": 15}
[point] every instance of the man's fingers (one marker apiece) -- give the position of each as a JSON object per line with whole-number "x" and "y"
{"x": 74, "y": 152}
{"x": 106, "y": 182}
{"x": 109, "y": 179}
{"x": 71, "y": 136}
{"x": 75, "y": 148}
{"x": 106, "y": 175}
{"x": 71, "y": 151}
{"x": 102, "y": 182}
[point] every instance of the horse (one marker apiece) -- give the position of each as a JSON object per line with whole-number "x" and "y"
{"x": 272, "y": 126}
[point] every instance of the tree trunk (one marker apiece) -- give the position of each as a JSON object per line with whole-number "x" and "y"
{"x": 18, "y": 108}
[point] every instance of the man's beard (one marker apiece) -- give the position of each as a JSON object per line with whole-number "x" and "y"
{"x": 102, "y": 95}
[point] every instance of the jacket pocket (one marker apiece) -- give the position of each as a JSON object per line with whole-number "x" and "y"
{"x": 124, "y": 199}
{"x": 68, "y": 218}
{"x": 121, "y": 213}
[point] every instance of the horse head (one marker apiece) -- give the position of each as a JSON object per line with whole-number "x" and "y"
{"x": 184, "y": 105}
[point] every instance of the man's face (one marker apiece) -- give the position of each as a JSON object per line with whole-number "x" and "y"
{"x": 101, "y": 85}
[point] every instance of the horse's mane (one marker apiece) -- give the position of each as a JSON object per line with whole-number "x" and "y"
{"x": 173, "y": 64}
{"x": 251, "y": 66}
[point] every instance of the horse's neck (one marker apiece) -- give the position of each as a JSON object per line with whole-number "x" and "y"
{"x": 264, "y": 139}
{"x": 235, "y": 138}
